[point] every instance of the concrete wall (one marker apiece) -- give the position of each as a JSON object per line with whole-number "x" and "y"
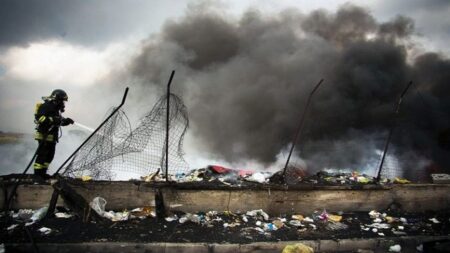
{"x": 128, "y": 195}
{"x": 119, "y": 195}
{"x": 408, "y": 197}
{"x": 375, "y": 245}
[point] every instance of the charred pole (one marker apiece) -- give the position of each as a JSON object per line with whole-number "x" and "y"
{"x": 168, "y": 125}
{"x": 300, "y": 127}
{"x": 388, "y": 140}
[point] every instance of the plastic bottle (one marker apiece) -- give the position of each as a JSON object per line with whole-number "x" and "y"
{"x": 39, "y": 214}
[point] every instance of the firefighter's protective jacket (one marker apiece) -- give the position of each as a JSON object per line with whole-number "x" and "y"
{"x": 48, "y": 120}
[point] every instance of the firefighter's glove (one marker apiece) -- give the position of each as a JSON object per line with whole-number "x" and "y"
{"x": 67, "y": 121}
{"x": 56, "y": 121}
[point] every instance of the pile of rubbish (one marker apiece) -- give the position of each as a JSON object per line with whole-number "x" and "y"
{"x": 293, "y": 176}
{"x": 214, "y": 173}
{"x": 98, "y": 205}
{"x": 258, "y": 222}
{"x": 28, "y": 217}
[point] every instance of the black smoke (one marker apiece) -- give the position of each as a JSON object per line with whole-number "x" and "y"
{"x": 246, "y": 80}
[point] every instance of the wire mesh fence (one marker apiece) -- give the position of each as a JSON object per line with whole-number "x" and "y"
{"x": 115, "y": 148}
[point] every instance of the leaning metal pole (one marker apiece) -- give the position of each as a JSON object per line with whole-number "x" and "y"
{"x": 300, "y": 127}
{"x": 54, "y": 199}
{"x": 167, "y": 125}
{"x": 93, "y": 133}
{"x": 388, "y": 140}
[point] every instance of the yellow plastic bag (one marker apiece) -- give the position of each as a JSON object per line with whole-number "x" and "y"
{"x": 86, "y": 178}
{"x": 398, "y": 180}
{"x": 298, "y": 217}
{"x": 297, "y": 248}
{"x": 336, "y": 218}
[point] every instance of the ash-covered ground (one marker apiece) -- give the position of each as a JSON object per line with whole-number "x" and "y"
{"x": 225, "y": 227}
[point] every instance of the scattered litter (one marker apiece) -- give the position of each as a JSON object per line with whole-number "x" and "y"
{"x": 403, "y": 220}
{"x": 296, "y": 223}
{"x": 298, "y": 217}
{"x": 25, "y": 214}
{"x": 39, "y": 214}
{"x": 434, "y": 220}
{"x": 85, "y": 178}
{"x": 389, "y": 219}
{"x": 362, "y": 180}
{"x": 12, "y": 227}
{"x": 420, "y": 248}
{"x": 117, "y": 216}
{"x": 377, "y": 220}
{"x": 374, "y": 214}
{"x": 380, "y": 225}
{"x": 231, "y": 225}
{"x": 151, "y": 177}
{"x": 278, "y": 223}
{"x": 297, "y": 248}
{"x": 98, "y": 204}
{"x": 172, "y": 218}
{"x": 259, "y": 212}
{"x": 259, "y": 230}
{"x": 323, "y": 216}
{"x": 63, "y": 215}
{"x": 381, "y": 234}
{"x": 336, "y": 218}
{"x": 398, "y": 180}
{"x": 45, "y": 230}
{"x": 189, "y": 217}
{"x": 395, "y": 248}
{"x": 270, "y": 227}
{"x": 308, "y": 220}
{"x": 257, "y": 177}
{"x": 143, "y": 212}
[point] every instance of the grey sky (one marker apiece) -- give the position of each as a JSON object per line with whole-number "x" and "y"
{"x": 90, "y": 23}
{"x": 96, "y": 23}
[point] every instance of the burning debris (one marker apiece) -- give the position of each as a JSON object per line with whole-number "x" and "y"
{"x": 294, "y": 176}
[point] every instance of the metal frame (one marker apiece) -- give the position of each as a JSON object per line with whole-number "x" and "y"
{"x": 300, "y": 127}
{"x": 95, "y": 131}
{"x": 388, "y": 140}
{"x": 167, "y": 124}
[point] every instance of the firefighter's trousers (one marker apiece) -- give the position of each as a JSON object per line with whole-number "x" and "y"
{"x": 44, "y": 157}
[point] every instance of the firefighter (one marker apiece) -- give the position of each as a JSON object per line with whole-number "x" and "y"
{"x": 48, "y": 121}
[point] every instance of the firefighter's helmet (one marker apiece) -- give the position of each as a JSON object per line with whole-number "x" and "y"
{"x": 59, "y": 95}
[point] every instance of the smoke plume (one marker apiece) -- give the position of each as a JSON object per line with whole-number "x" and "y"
{"x": 246, "y": 81}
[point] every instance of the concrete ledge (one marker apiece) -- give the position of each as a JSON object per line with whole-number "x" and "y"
{"x": 408, "y": 243}
{"x": 276, "y": 201}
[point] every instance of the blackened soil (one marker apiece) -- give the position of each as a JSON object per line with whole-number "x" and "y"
{"x": 151, "y": 230}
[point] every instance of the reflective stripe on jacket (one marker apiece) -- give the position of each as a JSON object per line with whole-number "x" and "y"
{"x": 40, "y": 137}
